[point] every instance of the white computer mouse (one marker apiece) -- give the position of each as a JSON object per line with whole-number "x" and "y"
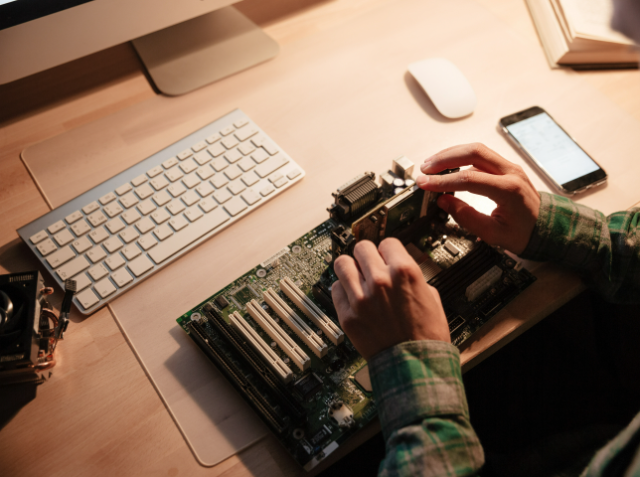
{"x": 447, "y": 87}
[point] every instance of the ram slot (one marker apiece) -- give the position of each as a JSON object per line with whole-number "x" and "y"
{"x": 309, "y": 308}
{"x": 263, "y": 349}
{"x": 278, "y": 335}
{"x": 299, "y": 327}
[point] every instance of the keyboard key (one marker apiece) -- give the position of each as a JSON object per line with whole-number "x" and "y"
{"x": 195, "y": 231}
{"x": 205, "y": 172}
{"x": 105, "y": 199}
{"x": 113, "y": 244}
{"x": 199, "y": 146}
{"x": 190, "y": 198}
{"x": 250, "y": 178}
{"x": 159, "y": 183}
{"x": 245, "y": 133}
{"x": 115, "y": 225}
{"x": 233, "y": 156}
{"x": 80, "y": 228}
{"x": 222, "y": 195}
{"x": 258, "y": 140}
{"x": 280, "y": 182}
{"x": 60, "y": 257}
{"x": 104, "y": 288}
{"x": 57, "y": 227}
{"x": 82, "y": 245}
{"x": 178, "y": 223}
{"x": 141, "y": 179}
{"x": 260, "y": 156}
{"x": 188, "y": 166}
{"x": 271, "y": 165}
{"x": 144, "y": 191}
{"x": 216, "y": 150}
{"x": 122, "y": 277}
{"x": 219, "y": 181}
{"x": 208, "y": 204}
{"x": 233, "y": 172}
{"x": 73, "y": 217}
{"x": 169, "y": 163}
{"x": 193, "y": 214}
{"x": 235, "y": 206}
{"x": 151, "y": 173}
{"x": 129, "y": 200}
{"x": 145, "y": 225}
{"x": 163, "y": 232}
{"x": 250, "y": 197}
{"x": 213, "y": 138}
{"x": 114, "y": 261}
{"x": 241, "y": 122}
{"x": 246, "y": 148}
{"x": 131, "y": 216}
{"x": 140, "y": 265}
{"x": 38, "y": 237}
{"x": 162, "y": 198}
{"x": 246, "y": 164}
{"x": 98, "y": 271}
{"x": 63, "y": 237}
{"x": 96, "y": 254}
{"x": 160, "y": 216}
{"x": 131, "y": 251}
{"x": 293, "y": 174}
{"x": 202, "y": 157}
{"x": 267, "y": 190}
{"x": 275, "y": 177}
{"x": 229, "y": 142}
{"x": 93, "y": 206}
{"x": 174, "y": 174}
{"x": 205, "y": 189}
{"x": 184, "y": 154}
{"x": 147, "y": 242}
{"x": 128, "y": 235}
{"x": 220, "y": 164}
{"x": 113, "y": 209}
{"x": 146, "y": 207}
{"x": 75, "y": 266}
{"x": 191, "y": 181}
{"x": 100, "y": 234}
{"x": 87, "y": 298}
{"x": 176, "y": 207}
{"x": 124, "y": 188}
{"x": 176, "y": 190}
{"x": 82, "y": 281}
{"x": 46, "y": 247}
{"x": 270, "y": 147}
{"x": 226, "y": 131}
{"x": 236, "y": 187}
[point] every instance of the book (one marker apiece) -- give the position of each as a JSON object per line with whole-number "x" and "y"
{"x": 577, "y": 33}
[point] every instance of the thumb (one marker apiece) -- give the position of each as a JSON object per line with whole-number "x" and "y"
{"x": 340, "y": 300}
{"x": 467, "y": 217}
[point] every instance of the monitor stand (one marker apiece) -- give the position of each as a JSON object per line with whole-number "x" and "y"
{"x": 202, "y": 50}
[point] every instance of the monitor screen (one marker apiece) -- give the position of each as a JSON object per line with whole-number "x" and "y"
{"x": 15, "y": 12}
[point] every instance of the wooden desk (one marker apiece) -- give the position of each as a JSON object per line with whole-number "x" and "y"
{"x": 98, "y": 379}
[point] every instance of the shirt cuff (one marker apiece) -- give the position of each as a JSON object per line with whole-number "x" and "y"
{"x": 415, "y": 380}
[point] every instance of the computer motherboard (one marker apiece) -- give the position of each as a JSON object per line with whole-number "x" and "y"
{"x": 274, "y": 333}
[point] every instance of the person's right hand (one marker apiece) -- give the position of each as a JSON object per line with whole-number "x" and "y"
{"x": 511, "y": 223}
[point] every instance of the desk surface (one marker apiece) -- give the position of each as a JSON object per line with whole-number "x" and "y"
{"x": 99, "y": 414}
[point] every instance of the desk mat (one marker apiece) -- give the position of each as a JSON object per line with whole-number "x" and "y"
{"x": 340, "y": 102}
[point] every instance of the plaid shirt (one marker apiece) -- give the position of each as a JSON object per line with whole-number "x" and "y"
{"x": 418, "y": 385}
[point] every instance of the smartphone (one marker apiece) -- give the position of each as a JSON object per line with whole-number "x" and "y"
{"x": 552, "y": 150}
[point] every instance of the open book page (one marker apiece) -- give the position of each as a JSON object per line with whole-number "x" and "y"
{"x": 590, "y": 19}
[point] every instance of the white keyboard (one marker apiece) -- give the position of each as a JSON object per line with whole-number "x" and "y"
{"x": 122, "y": 231}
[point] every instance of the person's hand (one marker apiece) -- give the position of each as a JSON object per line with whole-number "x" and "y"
{"x": 383, "y": 300}
{"x": 511, "y": 223}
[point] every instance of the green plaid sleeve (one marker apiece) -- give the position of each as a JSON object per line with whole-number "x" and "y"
{"x": 423, "y": 411}
{"x": 605, "y": 250}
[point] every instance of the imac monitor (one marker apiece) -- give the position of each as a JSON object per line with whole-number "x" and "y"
{"x": 168, "y": 35}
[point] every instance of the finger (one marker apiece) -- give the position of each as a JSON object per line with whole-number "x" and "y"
{"x": 488, "y": 185}
{"x": 469, "y": 218}
{"x": 369, "y": 260}
{"x": 475, "y": 154}
{"x": 394, "y": 253}
{"x": 349, "y": 276}
{"x": 340, "y": 300}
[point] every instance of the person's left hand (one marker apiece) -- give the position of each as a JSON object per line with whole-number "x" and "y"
{"x": 383, "y": 299}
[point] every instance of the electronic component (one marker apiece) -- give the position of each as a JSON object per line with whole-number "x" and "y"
{"x": 279, "y": 367}
{"x": 386, "y": 182}
{"x": 483, "y": 283}
{"x": 452, "y": 249}
{"x": 341, "y": 414}
{"x": 355, "y": 197}
{"x": 456, "y": 323}
{"x": 319, "y": 437}
{"x": 222, "y": 302}
{"x": 402, "y": 167}
{"x": 314, "y": 313}
{"x": 342, "y": 242}
{"x": 308, "y": 386}
{"x": 363, "y": 379}
{"x": 297, "y": 325}
{"x": 283, "y": 340}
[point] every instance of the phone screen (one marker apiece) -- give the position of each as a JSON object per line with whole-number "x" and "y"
{"x": 552, "y": 148}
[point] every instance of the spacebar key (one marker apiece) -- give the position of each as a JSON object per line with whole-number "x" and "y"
{"x": 188, "y": 235}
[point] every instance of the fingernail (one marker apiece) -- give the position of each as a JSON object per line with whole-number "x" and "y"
{"x": 424, "y": 167}
{"x": 422, "y": 181}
